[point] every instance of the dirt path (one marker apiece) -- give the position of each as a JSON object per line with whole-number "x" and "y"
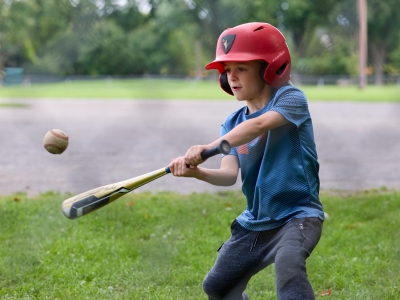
{"x": 358, "y": 144}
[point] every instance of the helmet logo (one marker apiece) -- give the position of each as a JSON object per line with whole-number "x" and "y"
{"x": 279, "y": 55}
{"x": 227, "y": 42}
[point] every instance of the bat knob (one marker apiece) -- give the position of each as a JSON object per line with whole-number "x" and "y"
{"x": 224, "y": 147}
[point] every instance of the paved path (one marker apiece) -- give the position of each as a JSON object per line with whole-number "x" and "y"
{"x": 112, "y": 140}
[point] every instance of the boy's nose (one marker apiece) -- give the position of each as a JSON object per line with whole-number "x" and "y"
{"x": 232, "y": 77}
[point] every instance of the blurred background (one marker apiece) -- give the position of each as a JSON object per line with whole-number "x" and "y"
{"x": 51, "y": 40}
{"x": 72, "y": 64}
{"x": 75, "y": 65}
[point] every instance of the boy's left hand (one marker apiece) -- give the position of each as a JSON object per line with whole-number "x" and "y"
{"x": 179, "y": 168}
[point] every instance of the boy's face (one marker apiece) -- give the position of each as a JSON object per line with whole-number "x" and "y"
{"x": 245, "y": 80}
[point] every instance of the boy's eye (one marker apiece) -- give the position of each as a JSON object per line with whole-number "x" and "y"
{"x": 242, "y": 69}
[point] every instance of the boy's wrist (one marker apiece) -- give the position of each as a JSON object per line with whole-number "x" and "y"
{"x": 198, "y": 174}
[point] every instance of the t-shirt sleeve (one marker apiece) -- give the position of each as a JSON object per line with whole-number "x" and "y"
{"x": 224, "y": 131}
{"x": 292, "y": 105}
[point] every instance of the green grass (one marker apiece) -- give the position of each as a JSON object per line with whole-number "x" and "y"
{"x": 160, "y": 246}
{"x": 183, "y": 89}
{"x": 120, "y": 89}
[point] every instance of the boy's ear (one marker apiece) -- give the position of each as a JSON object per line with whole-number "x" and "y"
{"x": 223, "y": 82}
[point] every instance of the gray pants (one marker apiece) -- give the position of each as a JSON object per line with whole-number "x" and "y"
{"x": 248, "y": 252}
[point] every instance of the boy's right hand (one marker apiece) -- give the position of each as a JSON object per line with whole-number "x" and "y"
{"x": 193, "y": 155}
{"x": 179, "y": 168}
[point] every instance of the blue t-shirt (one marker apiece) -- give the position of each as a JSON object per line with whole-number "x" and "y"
{"x": 279, "y": 169}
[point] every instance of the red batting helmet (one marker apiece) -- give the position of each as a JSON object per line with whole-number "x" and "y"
{"x": 254, "y": 41}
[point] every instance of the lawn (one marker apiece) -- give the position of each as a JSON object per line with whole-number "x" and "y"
{"x": 148, "y": 88}
{"x": 160, "y": 246}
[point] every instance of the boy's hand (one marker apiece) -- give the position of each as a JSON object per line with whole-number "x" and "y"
{"x": 186, "y": 166}
{"x": 179, "y": 168}
{"x": 193, "y": 155}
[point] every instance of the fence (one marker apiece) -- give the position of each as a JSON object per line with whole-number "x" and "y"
{"x": 301, "y": 79}
{"x": 297, "y": 79}
{"x": 11, "y": 76}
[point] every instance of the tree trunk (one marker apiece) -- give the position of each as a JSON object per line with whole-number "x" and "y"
{"x": 378, "y": 52}
{"x": 300, "y": 47}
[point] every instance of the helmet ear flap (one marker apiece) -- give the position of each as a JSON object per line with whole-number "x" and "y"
{"x": 223, "y": 82}
{"x": 262, "y": 71}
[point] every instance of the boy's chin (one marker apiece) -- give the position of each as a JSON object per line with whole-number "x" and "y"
{"x": 238, "y": 96}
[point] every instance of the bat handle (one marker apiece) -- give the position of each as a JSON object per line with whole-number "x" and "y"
{"x": 223, "y": 148}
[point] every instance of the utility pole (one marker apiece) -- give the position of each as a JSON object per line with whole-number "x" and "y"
{"x": 362, "y": 42}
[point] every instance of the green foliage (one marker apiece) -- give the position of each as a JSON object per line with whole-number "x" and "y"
{"x": 328, "y": 55}
{"x": 122, "y": 89}
{"x": 106, "y": 53}
{"x": 148, "y": 50}
{"x": 160, "y": 246}
{"x": 128, "y": 18}
{"x": 301, "y": 17}
{"x": 383, "y": 21}
{"x": 383, "y": 33}
{"x": 394, "y": 56}
{"x": 86, "y": 37}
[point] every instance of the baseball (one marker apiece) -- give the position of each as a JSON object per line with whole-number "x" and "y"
{"x": 55, "y": 141}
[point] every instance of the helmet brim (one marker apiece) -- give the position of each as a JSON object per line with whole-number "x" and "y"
{"x": 219, "y": 62}
{"x": 218, "y": 65}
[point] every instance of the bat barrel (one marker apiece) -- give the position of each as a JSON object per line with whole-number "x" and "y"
{"x": 92, "y": 200}
{"x": 85, "y": 206}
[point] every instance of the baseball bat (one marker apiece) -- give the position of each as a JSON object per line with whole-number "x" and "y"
{"x": 94, "y": 199}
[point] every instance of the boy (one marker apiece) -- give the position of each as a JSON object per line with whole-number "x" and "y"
{"x": 273, "y": 145}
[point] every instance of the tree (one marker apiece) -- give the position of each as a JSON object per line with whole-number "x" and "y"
{"x": 331, "y": 46}
{"x": 302, "y": 17}
{"x": 179, "y": 36}
{"x": 4, "y": 9}
{"x": 383, "y": 29}
{"x": 213, "y": 17}
{"x": 394, "y": 57}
